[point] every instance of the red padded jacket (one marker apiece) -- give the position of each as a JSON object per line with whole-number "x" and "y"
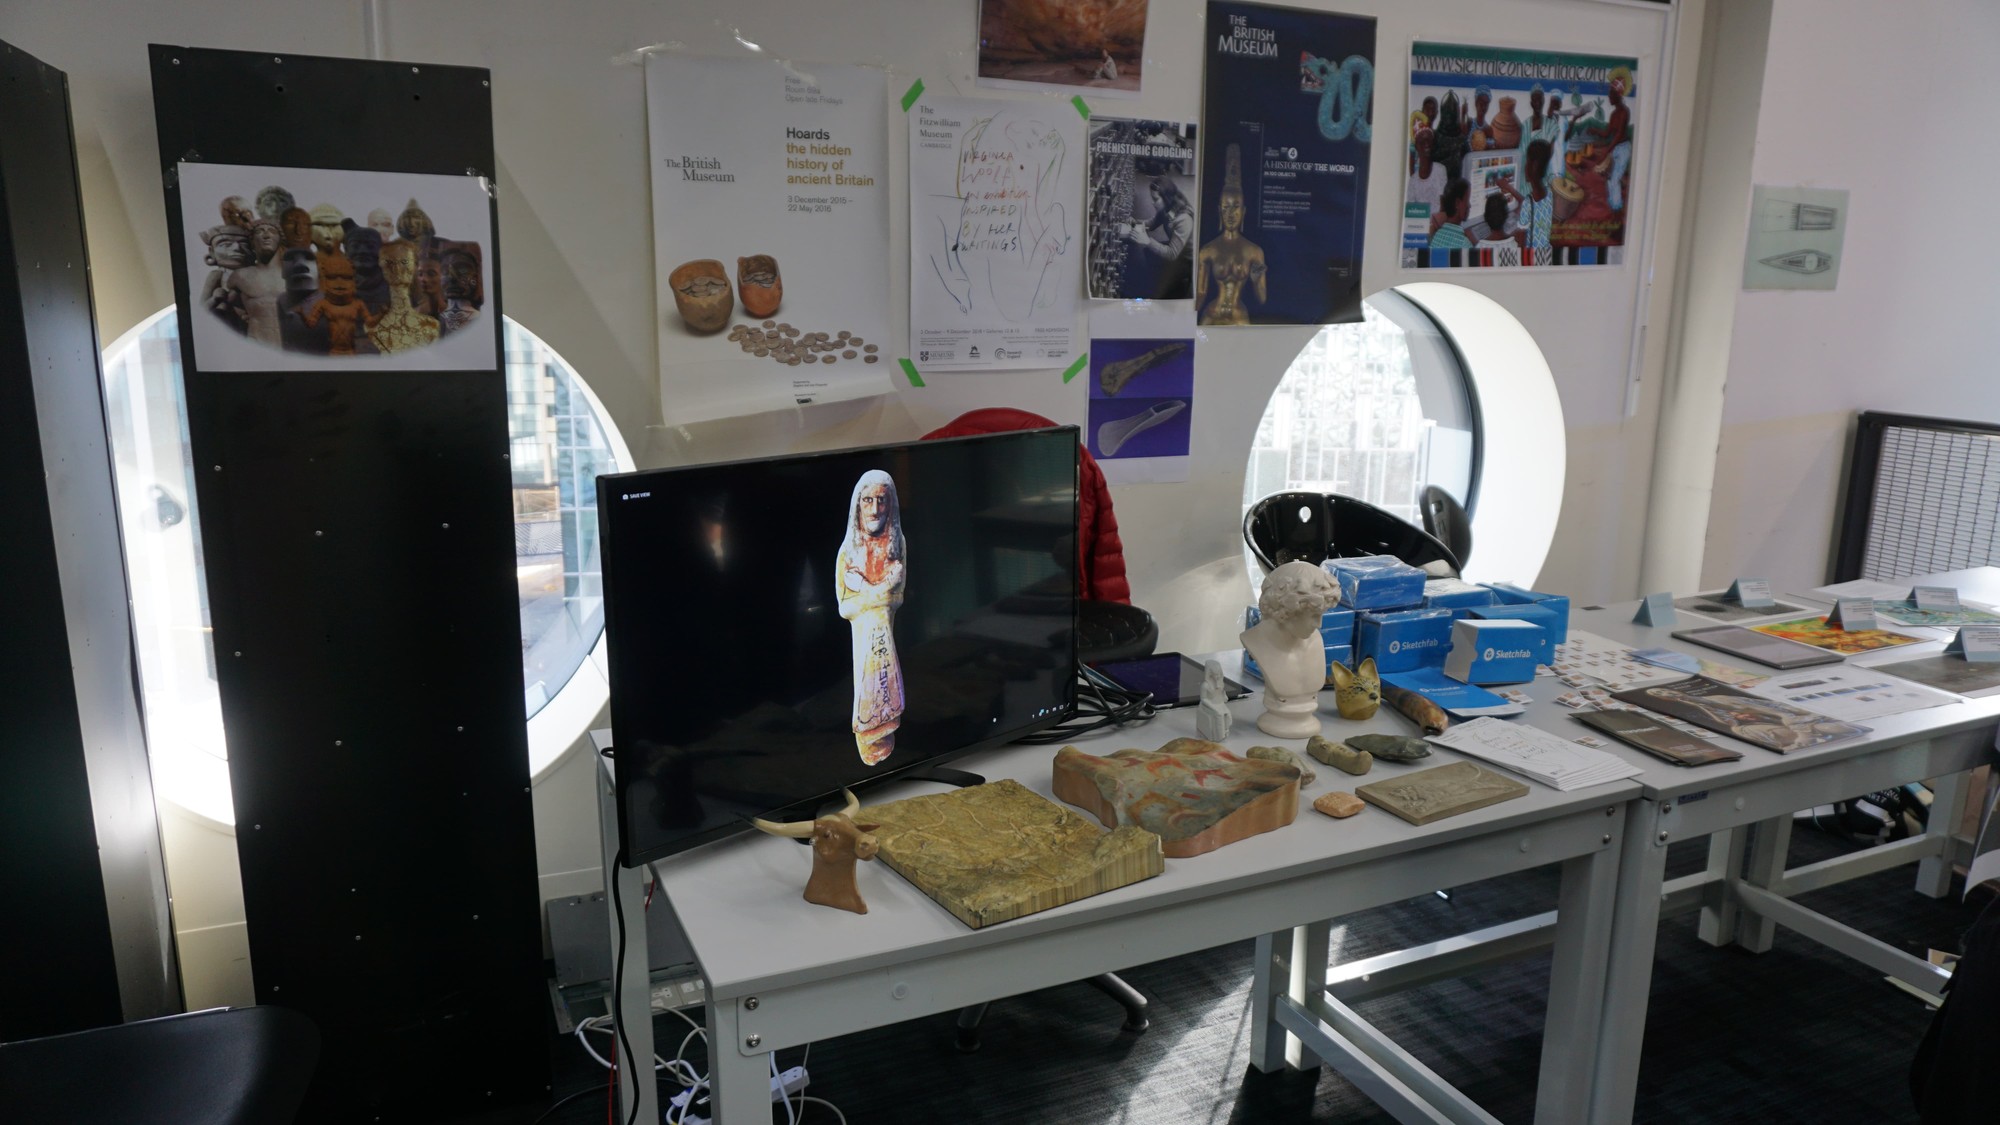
{"x": 1100, "y": 554}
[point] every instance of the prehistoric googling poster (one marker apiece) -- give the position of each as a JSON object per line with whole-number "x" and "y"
{"x": 1517, "y": 158}
{"x": 770, "y": 233}
{"x": 318, "y": 269}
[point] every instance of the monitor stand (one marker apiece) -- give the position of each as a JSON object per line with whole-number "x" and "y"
{"x": 945, "y": 775}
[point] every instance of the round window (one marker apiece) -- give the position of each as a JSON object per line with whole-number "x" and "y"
{"x": 561, "y": 439}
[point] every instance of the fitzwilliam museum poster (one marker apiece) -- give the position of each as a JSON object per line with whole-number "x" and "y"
{"x": 770, "y": 233}
{"x": 1517, "y": 158}
{"x": 1285, "y": 134}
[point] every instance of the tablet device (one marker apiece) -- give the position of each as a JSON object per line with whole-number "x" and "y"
{"x": 1174, "y": 680}
{"x": 1760, "y": 647}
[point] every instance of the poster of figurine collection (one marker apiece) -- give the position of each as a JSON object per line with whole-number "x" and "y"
{"x": 306, "y": 269}
{"x": 1517, "y": 158}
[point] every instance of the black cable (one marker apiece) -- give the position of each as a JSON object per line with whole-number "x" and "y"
{"x": 593, "y": 1088}
{"x": 1100, "y": 703}
{"x": 618, "y": 980}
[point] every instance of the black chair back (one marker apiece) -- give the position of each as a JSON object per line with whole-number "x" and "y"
{"x": 1448, "y": 521}
{"x": 1315, "y": 526}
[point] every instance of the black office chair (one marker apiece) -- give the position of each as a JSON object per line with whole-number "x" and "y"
{"x": 1447, "y": 521}
{"x": 1315, "y": 526}
{"x": 1105, "y": 631}
{"x": 237, "y": 1066}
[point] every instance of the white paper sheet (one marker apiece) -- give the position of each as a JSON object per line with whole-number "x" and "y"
{"x": 1849, "y": 692}
{"x": 1535, "y": 753}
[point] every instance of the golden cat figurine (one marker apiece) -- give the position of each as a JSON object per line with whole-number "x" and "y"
{"x": 1359, "y": 692}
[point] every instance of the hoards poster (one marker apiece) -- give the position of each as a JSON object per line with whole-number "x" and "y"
{"x": 1517, "y": 158}
{"x": 307, "y": 269}
{"x": 1285, "y": 133}
{"x": 1141, "y": 209}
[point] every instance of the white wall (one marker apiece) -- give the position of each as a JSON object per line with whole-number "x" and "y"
{"x": 575, "y": 215}
{"x": 1848, "y": 84}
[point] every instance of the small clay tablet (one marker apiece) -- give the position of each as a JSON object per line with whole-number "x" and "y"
{"x": 1339, "y": 806}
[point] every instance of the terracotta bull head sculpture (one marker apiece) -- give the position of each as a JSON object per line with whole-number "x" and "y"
{"x": 836, "y": 843}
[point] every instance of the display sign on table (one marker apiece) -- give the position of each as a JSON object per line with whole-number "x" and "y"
{"x": 770, "y": 233}
{"x": 1287, "y": 99}
{"x": 1517, "y": 158}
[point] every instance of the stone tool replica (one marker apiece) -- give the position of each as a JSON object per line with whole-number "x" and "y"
{"x": 1115, "y": 375}
{"x": 836, "y": 843}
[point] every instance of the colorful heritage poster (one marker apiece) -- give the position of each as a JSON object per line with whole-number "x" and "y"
{"x": 1096, "y": 46}
{"x": 1816, "y": 632}
{"x": 1517, "y": 158}
{"x": 1285, "y": 132}
{"x": 329, "y": 269}
{"x": 770, "y": 233}
{"x": 1141, "y": 209}
{"x": 995, "y": 238}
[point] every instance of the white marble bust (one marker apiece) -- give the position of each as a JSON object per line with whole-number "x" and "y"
{"x": 1288, "y": 648}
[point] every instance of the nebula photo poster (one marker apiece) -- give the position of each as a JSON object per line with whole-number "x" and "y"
{"x": 770, "y": 233}
{"x": 1285, "y": 132}
{"x": 1095, "y": 47}
{"x": 317, "y": 269}
{"x": 996, "y": 232}
{"x": 1517, "y": 158}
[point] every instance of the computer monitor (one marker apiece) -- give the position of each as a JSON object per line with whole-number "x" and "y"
{"x": 781, "y": 629}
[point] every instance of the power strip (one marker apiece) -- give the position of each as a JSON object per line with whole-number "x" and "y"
{"x": 682, "y": 1111}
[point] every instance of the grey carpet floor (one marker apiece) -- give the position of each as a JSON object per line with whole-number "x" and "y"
{"x": 1797, "y": 1034}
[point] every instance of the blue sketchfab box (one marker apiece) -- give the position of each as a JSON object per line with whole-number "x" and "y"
{"x": 1558, "y": 603}
{"x": 1376, "y": 582}
{"x": 1499, "y": 651}
{"x": 1457, "y": 596}
{"x": 1401, "y": 640}
{"x": 1536, "y": 614}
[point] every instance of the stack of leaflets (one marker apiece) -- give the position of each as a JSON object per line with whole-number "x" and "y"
{"x": 1462, "y": 701}
{"x": 1769, "y": 723}
{"x": 1536, "y": 754}
{"x": 1652, "y": 734}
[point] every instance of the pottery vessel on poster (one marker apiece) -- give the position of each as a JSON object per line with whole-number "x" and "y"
{"x": 701, "y": 293}
{"x": 758, "y": 284}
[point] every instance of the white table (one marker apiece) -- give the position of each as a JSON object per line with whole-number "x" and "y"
{"x": 782, "y": 973}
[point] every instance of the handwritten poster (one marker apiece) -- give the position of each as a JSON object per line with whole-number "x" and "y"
{"x": 996, "y": 240}
{"x": 1285, "y": 131}
{"x": 770, "y": 233}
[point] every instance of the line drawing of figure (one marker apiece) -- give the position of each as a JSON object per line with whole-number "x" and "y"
{"x": 869, "y": 574}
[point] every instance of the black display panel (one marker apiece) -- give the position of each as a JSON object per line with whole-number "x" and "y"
{"x": 782, "y": 629}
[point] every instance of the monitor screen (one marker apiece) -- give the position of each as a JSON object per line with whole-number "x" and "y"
{"x": 781, "y": 629}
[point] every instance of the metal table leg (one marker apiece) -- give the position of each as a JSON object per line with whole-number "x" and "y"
{"x": 1288, "y": 963}
{"x": 1635, "y": 929}
{"x": 1584, "y": 911}
{"x": 1718, "y": 906}
{"x": 1947, "y": 803}
{"x": 1770, "y": 843}
{"x": 739, "y": 1083}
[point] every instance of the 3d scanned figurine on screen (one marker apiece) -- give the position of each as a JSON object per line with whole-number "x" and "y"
{"x": 345, "y": 317}
{"x": 258, "y": 287}
{"x": 380, "y": 222}
{"x": 1230, "y": 267}
{"x": 273, "y": 202}
{"x": 401, "y": 327}
{"x": 327, "y": 230}
{"x": 297, "y": 225}
{"x": 363, "y": 247}
{"x": 228, "y": 251}
{"x": 868, "y": 584}
{"x": 414, "y": 224}
{"x": 237, "y": 213}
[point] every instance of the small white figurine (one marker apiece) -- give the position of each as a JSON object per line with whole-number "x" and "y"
{"x": 1288, "y": 647}
{"x": 1212, "y": 718}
